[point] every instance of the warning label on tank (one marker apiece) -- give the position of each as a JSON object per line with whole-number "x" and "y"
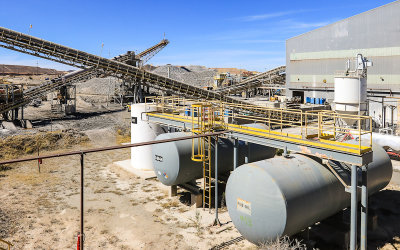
{"x": 244, "y": 206}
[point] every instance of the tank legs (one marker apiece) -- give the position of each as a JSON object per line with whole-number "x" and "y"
{"x": 235, "y": 154}
{"x": 173, "y": 191}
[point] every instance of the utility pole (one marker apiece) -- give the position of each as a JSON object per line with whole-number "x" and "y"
{"x": 101, "y": 51}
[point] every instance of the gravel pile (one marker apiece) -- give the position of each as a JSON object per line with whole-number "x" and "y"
{"x": 193, "y": 74}
{"x": 97, "y": 86}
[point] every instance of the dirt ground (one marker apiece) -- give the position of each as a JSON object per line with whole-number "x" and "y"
{"x": 122, "y": 211}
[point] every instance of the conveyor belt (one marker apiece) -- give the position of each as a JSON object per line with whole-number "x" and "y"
{"x": 20, "y": 42}
{"x": 276, "y": 75}
{"x": 145, "y": 55}
{"x": 78, "y": 76}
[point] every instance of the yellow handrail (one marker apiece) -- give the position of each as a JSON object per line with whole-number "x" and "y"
{"x": 321, "y": 125}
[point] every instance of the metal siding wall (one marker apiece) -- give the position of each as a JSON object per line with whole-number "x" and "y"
{"x": 377, "y": 28}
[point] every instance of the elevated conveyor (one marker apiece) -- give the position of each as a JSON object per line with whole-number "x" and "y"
{"x": 147, "y": 54}
{"x": 273, "y": 76}
{"x": 79, "y": 76}
{"x": 20, "y": 42}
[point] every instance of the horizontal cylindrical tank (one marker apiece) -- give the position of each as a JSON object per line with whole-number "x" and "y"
{"x": 173, "y": 164}
{"x": 282, "y": 196}
{"x": 142, "y": 131}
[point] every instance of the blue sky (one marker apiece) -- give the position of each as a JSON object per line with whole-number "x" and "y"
{"x": 242, "y": 34}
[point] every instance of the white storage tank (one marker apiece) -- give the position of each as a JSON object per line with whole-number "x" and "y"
{"x": 350, "y": 94}
{"x": 141, "y": 131}
{"x": 351, "y": 97}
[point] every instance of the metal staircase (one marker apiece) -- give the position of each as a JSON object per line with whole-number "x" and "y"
{"x": 273, "y": 76}
{"x": 202, "y": 123}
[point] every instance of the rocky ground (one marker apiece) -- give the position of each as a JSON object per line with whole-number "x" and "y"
{"x": 122, "y": 211}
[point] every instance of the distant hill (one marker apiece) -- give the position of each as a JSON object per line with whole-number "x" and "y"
{"x": 27, "y": 70}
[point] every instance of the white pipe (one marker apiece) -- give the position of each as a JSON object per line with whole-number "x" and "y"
{"x": 390, "y": 141}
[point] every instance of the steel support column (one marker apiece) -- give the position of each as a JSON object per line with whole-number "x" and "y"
{"x": 82, "y": 234}
{"x": 246, "y": 157}
{"x": 216, "y": 221}
{"x": 364, "y": 208}
{"x": 235, "y": 154}
{"x": 354, "y": 203}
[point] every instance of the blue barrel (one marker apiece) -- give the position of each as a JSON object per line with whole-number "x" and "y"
{"x": 227, "y": 113}
{"x": 312, "y": 100}
{"x": 308, "y": 99}
{"x": 317, "y": 100}
{"x": 322, "y": 101}
{"x": 187, "y": 112}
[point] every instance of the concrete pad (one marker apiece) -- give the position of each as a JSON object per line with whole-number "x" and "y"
{"x": 28, "y": 124}
{"x": 395, "y": 178}
{"x": 9, "y": 126}
{"x": 126, "y": 165}
{"x": 196, "y": 199}
{"x": 396, "y": 165}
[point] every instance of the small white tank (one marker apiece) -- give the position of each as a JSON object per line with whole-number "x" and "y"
{"x": 350, "y": 95}
{"x": 141, "y": 131}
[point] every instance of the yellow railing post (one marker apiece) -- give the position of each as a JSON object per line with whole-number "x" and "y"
{"x": 301, "y": 123}
{"x": 359, "y": 135}
{"x": 370, "y": 131}
{"x": 334, "y": 127}
{"x": 319, "y": 125}
{"x": 269, "y": 120}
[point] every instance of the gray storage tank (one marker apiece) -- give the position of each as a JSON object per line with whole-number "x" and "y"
{"x": 282, "y": 196}
{"x": 173, "y": 164}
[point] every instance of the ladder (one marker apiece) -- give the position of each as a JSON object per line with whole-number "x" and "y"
{"x": 203, "y": 122}
{"x": 207, "y": 176}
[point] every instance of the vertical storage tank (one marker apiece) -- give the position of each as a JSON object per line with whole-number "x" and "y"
{"x": 350, "y": 95}
{"x": 141, "y": 131}
{"x": 282, "y": 196}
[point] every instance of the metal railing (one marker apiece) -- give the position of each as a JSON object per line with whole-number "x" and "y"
{"x": 9, "y": 244}
{"x": 82, "y": 153}
{"x": 322, "y": 128}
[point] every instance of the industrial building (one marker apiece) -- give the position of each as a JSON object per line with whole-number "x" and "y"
{"x": 313, "y": 58}
{"x": 220, "y": 149}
